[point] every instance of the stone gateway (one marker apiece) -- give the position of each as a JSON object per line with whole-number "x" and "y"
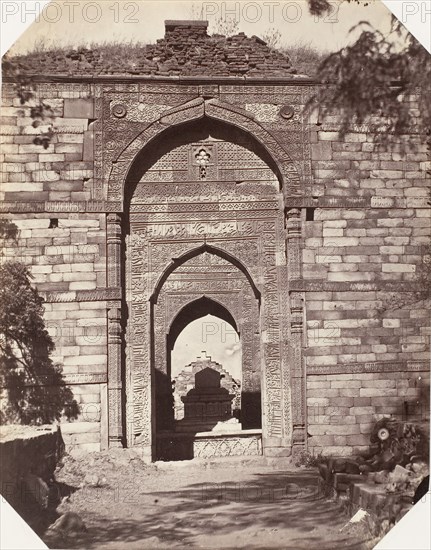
{"x": 194, "y": 184}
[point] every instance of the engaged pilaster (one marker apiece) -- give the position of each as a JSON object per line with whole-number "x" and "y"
{"x": 114, "y": 250}
{"x": 296, "y": 303}
{"x": 115, "y": 414}
{"x": 115, "y": 426}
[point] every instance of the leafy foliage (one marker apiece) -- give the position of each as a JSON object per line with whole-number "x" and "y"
{"x": 227, "y": 26}
{"x": 374, "y": 81}
{"x": 385, "y": 82}
{"x": 272, "y": 37}
{"x": 40, "y": 111}
{"x": 36, "y": 392}
{"x": 8, "y": 230}
{"x": 304, "y": 57}
{"x": 317, "y": 7}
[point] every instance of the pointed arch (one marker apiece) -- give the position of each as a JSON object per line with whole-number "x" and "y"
{"x": 177, "y": 262}
{"x": 196, "y": 309}
{"x": 195, "y": 110}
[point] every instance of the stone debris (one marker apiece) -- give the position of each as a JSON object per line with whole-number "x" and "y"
{"x": 379, "y": 477}
{"x": 396, "y": 462}
{"x": 69, "y": 523}
{"x": 356, "y": 518}
{"x": 394, "y": 444}
{"x": 93, "y": 470}
{"x": 399, "y": 474}
{"x": 93, "y": 480}
{"x": 420, "y": 467}
{"x": 186, "y": 50}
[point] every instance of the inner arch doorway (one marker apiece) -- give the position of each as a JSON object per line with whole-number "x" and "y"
{"x": 204, "y": 337}
{"x": 207, "y": 284}
{"x": 206, "y": 222}
{"x": 222, "y": 352}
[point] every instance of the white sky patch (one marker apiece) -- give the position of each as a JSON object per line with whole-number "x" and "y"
{"x": 212, "y": 335}
{"x": 83, "y": 22}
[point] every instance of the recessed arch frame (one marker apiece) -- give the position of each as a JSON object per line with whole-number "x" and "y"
{"x": 290, "y": 183}
{"x": 177, "y": 262}
{"x": 195, "y": 110}
{"x": 235, "y": 306}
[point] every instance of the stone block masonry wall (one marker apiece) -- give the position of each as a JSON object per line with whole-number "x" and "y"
{"x": 79, "y": 332}
{"x": 62, "y": 171}
{"x": 68, "y": 264}
{"x": 363, "y": 327}
{"x": 384, "y": 244}
{"x": 343, "y": 408}
{"x": 65, "y": 252}
{"x": 368, "y": 332}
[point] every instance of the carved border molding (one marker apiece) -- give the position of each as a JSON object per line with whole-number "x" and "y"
{"x": 101, "y": 206}
{"x": 288, "y": 82}
{"x": 84, "y": 378}
{"x": 61, "y": 207}
{"x": 219, "y": 206}
{"x": 357, "y": 202}
{"x": 295, "y": 338}
{"x": 115, "y": 332}
{"x": 97, "y": 295}
{"x": 73, "y": 379}
{"x": 115, "y": 385}
{"x": 358, "y": 368}
{"x": 302, "y": 285}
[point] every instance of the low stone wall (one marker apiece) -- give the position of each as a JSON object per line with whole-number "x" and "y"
{"x": 206, "y": 445}
{"x": 28, "y": 458}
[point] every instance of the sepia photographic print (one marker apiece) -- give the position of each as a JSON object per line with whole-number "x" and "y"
{"x": 215, "y": 274}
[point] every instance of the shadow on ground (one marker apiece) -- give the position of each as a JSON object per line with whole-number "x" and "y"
{"x": 270, "y": 509}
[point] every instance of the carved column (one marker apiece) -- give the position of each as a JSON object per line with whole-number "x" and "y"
{"x": 115, "y": 416}
{"x": 293, "y": 244}
{"x": 115, "y": 408}
{"x": 114, "y": 250}
{"x": 297, "y": 372}
{"x": 293, "y": 253}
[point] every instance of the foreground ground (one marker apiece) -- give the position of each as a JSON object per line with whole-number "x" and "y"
{"x": 226, "y": 504}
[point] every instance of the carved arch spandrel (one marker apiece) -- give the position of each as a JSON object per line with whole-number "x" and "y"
{"x": 195, "y": 110}
{"x": 176, "y": 262}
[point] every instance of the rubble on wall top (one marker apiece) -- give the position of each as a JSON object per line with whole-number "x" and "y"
{"x": 185, "y": 50}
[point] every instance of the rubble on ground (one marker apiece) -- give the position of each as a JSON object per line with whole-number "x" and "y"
{"x": 398, "y": 457}
{"x": 99, "y": 469}
{"x": 384, "y": 479}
